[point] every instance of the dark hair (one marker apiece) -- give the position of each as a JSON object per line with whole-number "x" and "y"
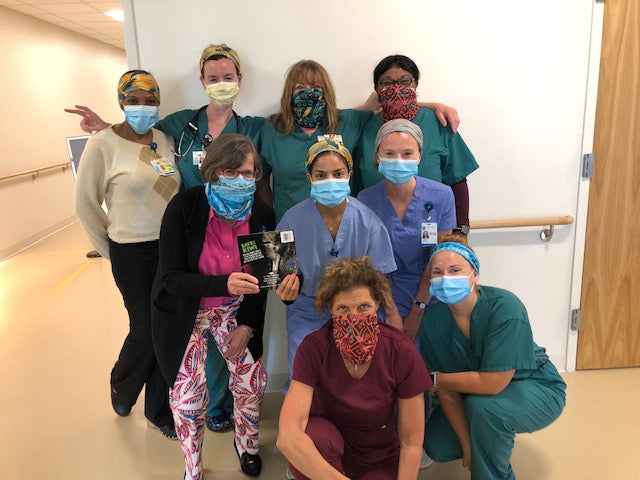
{"x": 400, "y": 61}
{"x": 229, "y": 150}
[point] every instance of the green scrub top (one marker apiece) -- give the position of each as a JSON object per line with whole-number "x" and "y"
{"x": 284, "y": 156}
{"x": 500, "y": 339}
{"x": 176, "y": 124}
{"x": 445, "y": 156}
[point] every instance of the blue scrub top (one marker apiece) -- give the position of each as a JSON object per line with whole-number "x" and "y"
{"x": 410, "y": 256}
{"x": 360, "y": 233}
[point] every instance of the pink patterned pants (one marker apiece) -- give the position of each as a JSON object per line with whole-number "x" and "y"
{"x": 189, "y": 396}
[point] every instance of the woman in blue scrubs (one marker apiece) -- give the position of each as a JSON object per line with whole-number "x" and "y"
{"x": 416, "y": 211}
{"x": 491, "y": 380}
{"x": 327, "y": 226}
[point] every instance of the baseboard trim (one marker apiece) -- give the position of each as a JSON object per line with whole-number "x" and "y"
{"x": 38, "y": 237}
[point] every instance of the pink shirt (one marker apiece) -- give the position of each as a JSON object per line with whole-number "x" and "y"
{"x": 220, "y": 255}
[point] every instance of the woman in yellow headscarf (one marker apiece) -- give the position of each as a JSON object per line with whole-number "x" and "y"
{"x": 130, "y": 168}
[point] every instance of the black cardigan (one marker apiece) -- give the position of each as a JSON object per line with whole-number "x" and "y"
{"x": 179, "y": 286}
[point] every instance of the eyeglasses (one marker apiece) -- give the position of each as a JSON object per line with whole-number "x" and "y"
{"x": 233, "y": 173}
{"x": 404, "y": 82}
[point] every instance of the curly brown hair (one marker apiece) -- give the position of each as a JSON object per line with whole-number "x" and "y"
{"x": 350, "y": 273}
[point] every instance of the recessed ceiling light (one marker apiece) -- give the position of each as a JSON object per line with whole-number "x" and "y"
{"x": 117, "y": 15}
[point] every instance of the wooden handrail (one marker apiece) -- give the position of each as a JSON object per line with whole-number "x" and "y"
{"x": 36, "y": 171}
{"x": 522, "y": 222}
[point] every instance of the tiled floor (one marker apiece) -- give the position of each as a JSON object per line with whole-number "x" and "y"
{"x": 62, "y": 323}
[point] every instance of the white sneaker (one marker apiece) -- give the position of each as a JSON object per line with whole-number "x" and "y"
{"x": 425, "y": 461}
{"x": 290, "y": 476}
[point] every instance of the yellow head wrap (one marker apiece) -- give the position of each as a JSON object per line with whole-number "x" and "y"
{"x": 137, "y": 80}
{"x": 328, "y": 146}
{"x": 219, "y": 51}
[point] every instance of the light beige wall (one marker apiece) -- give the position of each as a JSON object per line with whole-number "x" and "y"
{"x": 45, "y": 69}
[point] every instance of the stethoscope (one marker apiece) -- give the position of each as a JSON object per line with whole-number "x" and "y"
{"x": 192, "y": 126}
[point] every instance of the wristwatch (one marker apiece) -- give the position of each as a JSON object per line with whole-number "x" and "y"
{"x": 461, "y": 230}
{"x": 434, "y": 379}
{"x": 421, "y": 305}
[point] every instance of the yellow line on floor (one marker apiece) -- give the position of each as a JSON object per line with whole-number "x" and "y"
{"x": 74, "y": 274}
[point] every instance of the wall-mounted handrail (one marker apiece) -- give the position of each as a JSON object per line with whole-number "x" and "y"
{"x": 545, "y": 235}
{"x": 36, "y": 171}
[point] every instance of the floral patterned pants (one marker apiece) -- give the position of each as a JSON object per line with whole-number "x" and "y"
{"x": 189, "y": 396}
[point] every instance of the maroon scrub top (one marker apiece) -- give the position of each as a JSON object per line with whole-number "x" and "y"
{"x": 362, "y": 409}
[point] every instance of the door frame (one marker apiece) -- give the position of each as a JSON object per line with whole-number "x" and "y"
{"x": 588, "y": 133}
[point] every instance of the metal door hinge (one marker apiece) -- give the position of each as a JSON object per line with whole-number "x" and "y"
{"x": 576, "y": 319}
{"x": 599, "y": 1}
{"x": 587, "y": 165}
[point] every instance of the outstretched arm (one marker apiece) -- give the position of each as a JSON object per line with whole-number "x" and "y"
{"x": 90, "y": 122}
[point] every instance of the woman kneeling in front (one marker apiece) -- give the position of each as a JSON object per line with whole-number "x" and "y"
{"x": 338, "y": 419}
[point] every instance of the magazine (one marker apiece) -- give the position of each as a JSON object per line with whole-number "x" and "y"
{"x": 269, "y": 256}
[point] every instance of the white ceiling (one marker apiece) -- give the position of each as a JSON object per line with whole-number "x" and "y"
{"x": 83, "y": 16}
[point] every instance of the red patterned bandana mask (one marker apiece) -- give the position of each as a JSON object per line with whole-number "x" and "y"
{"x": 398, "y": 102}
{"x": 356, "y": 336}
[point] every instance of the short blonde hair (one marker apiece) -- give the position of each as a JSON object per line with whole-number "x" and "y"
{"x": 347, "y": 274}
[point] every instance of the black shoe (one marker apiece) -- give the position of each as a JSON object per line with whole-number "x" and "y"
{"x": 169, "y": 431}
{"x": 121, "y": 408}
{"x": 250, "y": 464}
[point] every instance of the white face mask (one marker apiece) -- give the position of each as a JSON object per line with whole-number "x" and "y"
{"x": 223, "y": 93}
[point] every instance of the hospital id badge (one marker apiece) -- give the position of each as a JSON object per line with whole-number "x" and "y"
{"x": 328, "y": 136}
{"x": 163, "y": 167}
{"x": 429, "y": 234}
{"x": 198, "y": 157}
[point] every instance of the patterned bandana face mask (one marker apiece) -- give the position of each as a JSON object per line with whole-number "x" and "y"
{"x": 356, "y": 336}
{"x": 398, "y": 102}
{"x": 309, "y": 107}
{"x": 231, "y": 198}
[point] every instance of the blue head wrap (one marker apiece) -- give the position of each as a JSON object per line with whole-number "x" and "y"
{"x": 460, "y": 249}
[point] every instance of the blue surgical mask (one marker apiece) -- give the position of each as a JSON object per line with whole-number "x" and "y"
{"x": 450, "y": 289}
{"x": 141, "y": 117}
{"x": 330, "y": 192}
{"x": 231, "y": 198}
{"x": 398, "y": 171}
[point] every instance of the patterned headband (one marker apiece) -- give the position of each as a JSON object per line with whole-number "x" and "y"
{"x": 460, "y": 249}
{"x": 219, "y": 51}
{"x": 328, "y": 146}
{"x": 137, "y": 80}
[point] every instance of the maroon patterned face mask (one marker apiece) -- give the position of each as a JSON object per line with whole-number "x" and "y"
{"x": 356, "y": 336}
{"x": 398, "y": 102}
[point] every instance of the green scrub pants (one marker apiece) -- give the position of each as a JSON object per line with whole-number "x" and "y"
{"x": 494, "y": 420}
{"x": 217, "y": 373}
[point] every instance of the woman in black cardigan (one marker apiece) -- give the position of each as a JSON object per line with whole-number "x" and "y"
{"x": 200, "y": 290}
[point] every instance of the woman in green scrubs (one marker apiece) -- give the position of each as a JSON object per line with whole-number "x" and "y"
{"x": 491, "y": 380}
